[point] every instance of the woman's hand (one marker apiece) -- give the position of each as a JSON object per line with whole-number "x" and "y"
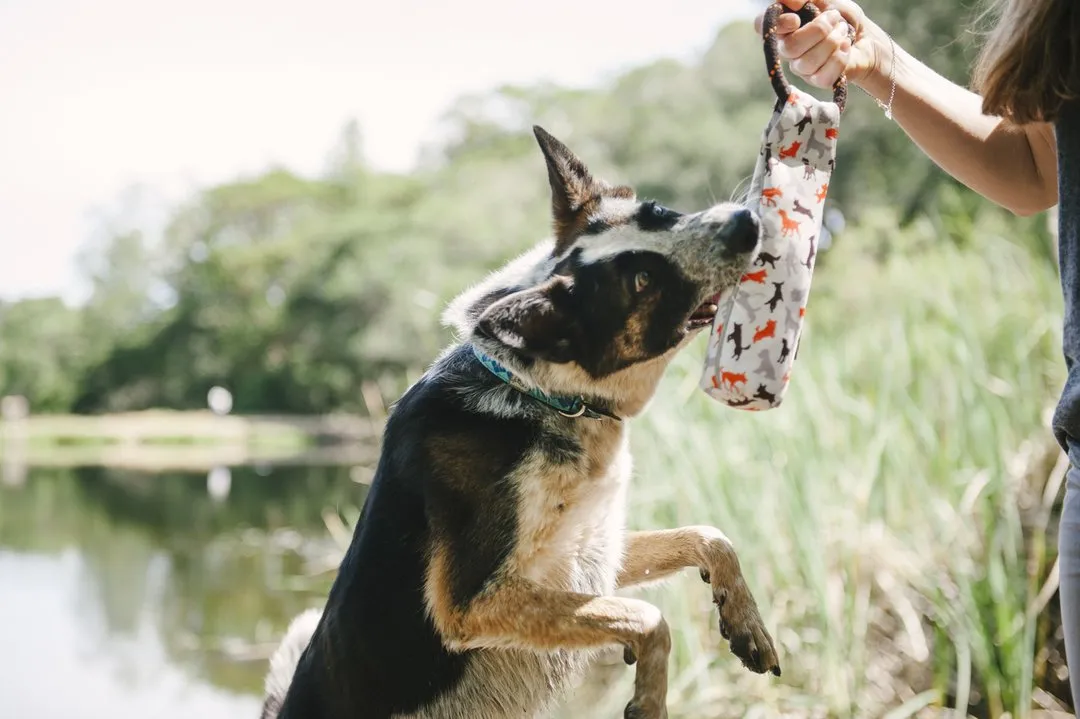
{"x": 821, "y": 50}
{"x": 1015, "y": 167}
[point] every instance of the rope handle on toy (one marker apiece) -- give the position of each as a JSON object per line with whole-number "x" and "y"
{"x": 772, "y": 57}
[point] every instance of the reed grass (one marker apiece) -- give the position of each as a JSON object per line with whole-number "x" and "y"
{"x": 880, "y": 512}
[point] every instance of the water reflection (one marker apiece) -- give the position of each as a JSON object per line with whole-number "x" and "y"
{"x": 139, "y": 595}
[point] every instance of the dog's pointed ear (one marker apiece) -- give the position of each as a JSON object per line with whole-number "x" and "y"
{"x": 572, "y": 185}
{"x": 535, "y": 322}
{"x": 575, "y": 193}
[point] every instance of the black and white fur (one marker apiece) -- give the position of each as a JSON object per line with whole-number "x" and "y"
{"x": 480, "y": 577}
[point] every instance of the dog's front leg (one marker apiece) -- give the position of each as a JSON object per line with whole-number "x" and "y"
{"x": 653, "y": 555}
{"x": 517, "y": 613}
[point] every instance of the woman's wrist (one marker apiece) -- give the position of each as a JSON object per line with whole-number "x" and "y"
{"x": 879, "y": 79}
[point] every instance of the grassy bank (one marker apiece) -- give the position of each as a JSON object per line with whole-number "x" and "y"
{"x": 879, "y": 513}
{"x": 160, "y": 440}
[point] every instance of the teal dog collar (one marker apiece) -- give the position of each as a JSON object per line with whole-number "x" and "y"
{"x": 572, "y": 407}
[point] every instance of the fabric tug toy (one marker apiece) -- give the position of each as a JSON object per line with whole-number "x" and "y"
{"x": 755, "y": 336}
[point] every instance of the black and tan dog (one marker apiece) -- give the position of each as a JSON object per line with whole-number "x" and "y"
{"x": 481, "y": 575}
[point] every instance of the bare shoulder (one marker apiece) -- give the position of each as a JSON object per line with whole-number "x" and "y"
{"x": 1043, "y": 133}
{"x": 1043, "y": 141}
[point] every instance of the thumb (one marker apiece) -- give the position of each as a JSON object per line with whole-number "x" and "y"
{"x": 785, "y": 24}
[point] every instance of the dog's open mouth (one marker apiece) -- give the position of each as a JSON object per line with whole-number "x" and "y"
{"x": 704, "y": 315}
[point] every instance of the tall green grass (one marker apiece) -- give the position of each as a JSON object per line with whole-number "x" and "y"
{"x": 878, "y": 511}
{"x": 893, "y": 515}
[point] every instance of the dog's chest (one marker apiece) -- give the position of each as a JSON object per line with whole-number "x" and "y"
{"x": 571, "y": 517}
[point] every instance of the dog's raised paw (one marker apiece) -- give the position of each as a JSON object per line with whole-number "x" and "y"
{"x": 755, "y": 650}
{"x": 741, "y": 625}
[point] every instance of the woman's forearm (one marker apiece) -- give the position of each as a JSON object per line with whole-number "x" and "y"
{"x": 1014, "y": 166}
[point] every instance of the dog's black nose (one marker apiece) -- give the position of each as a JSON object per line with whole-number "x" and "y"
{"x": 741, "y": 232}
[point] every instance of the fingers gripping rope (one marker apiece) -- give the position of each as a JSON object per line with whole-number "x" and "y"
{"x": 780, "y": 84}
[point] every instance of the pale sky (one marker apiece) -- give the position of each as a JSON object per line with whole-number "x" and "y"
{"x": 98, "y": 96}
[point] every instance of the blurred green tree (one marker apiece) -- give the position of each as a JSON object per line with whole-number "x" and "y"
{"x": 293, "y": 291}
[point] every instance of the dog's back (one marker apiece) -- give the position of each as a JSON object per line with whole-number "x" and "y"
{"x": 483, "y": 568}
{"x": 375, "y": 652}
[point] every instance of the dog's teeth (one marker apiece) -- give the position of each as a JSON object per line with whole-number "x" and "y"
{"x": 712, "y": 308}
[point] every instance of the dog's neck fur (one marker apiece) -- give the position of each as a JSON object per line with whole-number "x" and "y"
{"x": 625, "y": 393}
{"x": 568, "y": 406}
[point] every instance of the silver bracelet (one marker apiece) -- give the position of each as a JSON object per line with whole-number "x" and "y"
{"x": 887, "y": 107}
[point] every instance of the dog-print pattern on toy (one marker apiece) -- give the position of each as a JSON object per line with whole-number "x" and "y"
{"x": 768, "y": 308}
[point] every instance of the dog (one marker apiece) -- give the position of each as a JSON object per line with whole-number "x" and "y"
{"x": 766, "y": 332}
{"x": 758, "y": 276}
{"x": 765, "y": 394}
{"x": 777, "y": 298}
{"x": 736, "y": 339}
{"x": 731, "y": 379}
{"x": 742, "y": 299}
{"x": 790, "y": 151}
{"x": 781, "y": 133}
{"x": 798, "y": 207}
{"x": 815, "y": 145}
{"x": 481, "y": 576}
{"x": 793, "y": 315}
{"x": 810, "y": 254}
{"x": 764, "y": 258}
{"x": 766, "y": 368}
{"x": 806, "y": 120}
{"x": 789, "y": 225}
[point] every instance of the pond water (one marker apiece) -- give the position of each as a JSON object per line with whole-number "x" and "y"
{"x": 153, "y": 596}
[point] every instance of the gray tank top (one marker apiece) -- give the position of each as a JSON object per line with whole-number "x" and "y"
{"x": 1067, "y": 415}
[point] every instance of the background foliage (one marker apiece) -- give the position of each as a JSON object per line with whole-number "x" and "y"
{"x": 895, "y": 517}
{"x": 292, "y": 290}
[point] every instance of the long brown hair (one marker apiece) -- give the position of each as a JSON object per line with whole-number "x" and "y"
{"x": 1030, "y": 62}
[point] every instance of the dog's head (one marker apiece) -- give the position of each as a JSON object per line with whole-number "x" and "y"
{"x": 602, "y": 306}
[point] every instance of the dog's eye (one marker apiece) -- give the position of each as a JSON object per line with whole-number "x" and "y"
{"x": 658, "y": 210}
{"x": 641, "y": 280}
